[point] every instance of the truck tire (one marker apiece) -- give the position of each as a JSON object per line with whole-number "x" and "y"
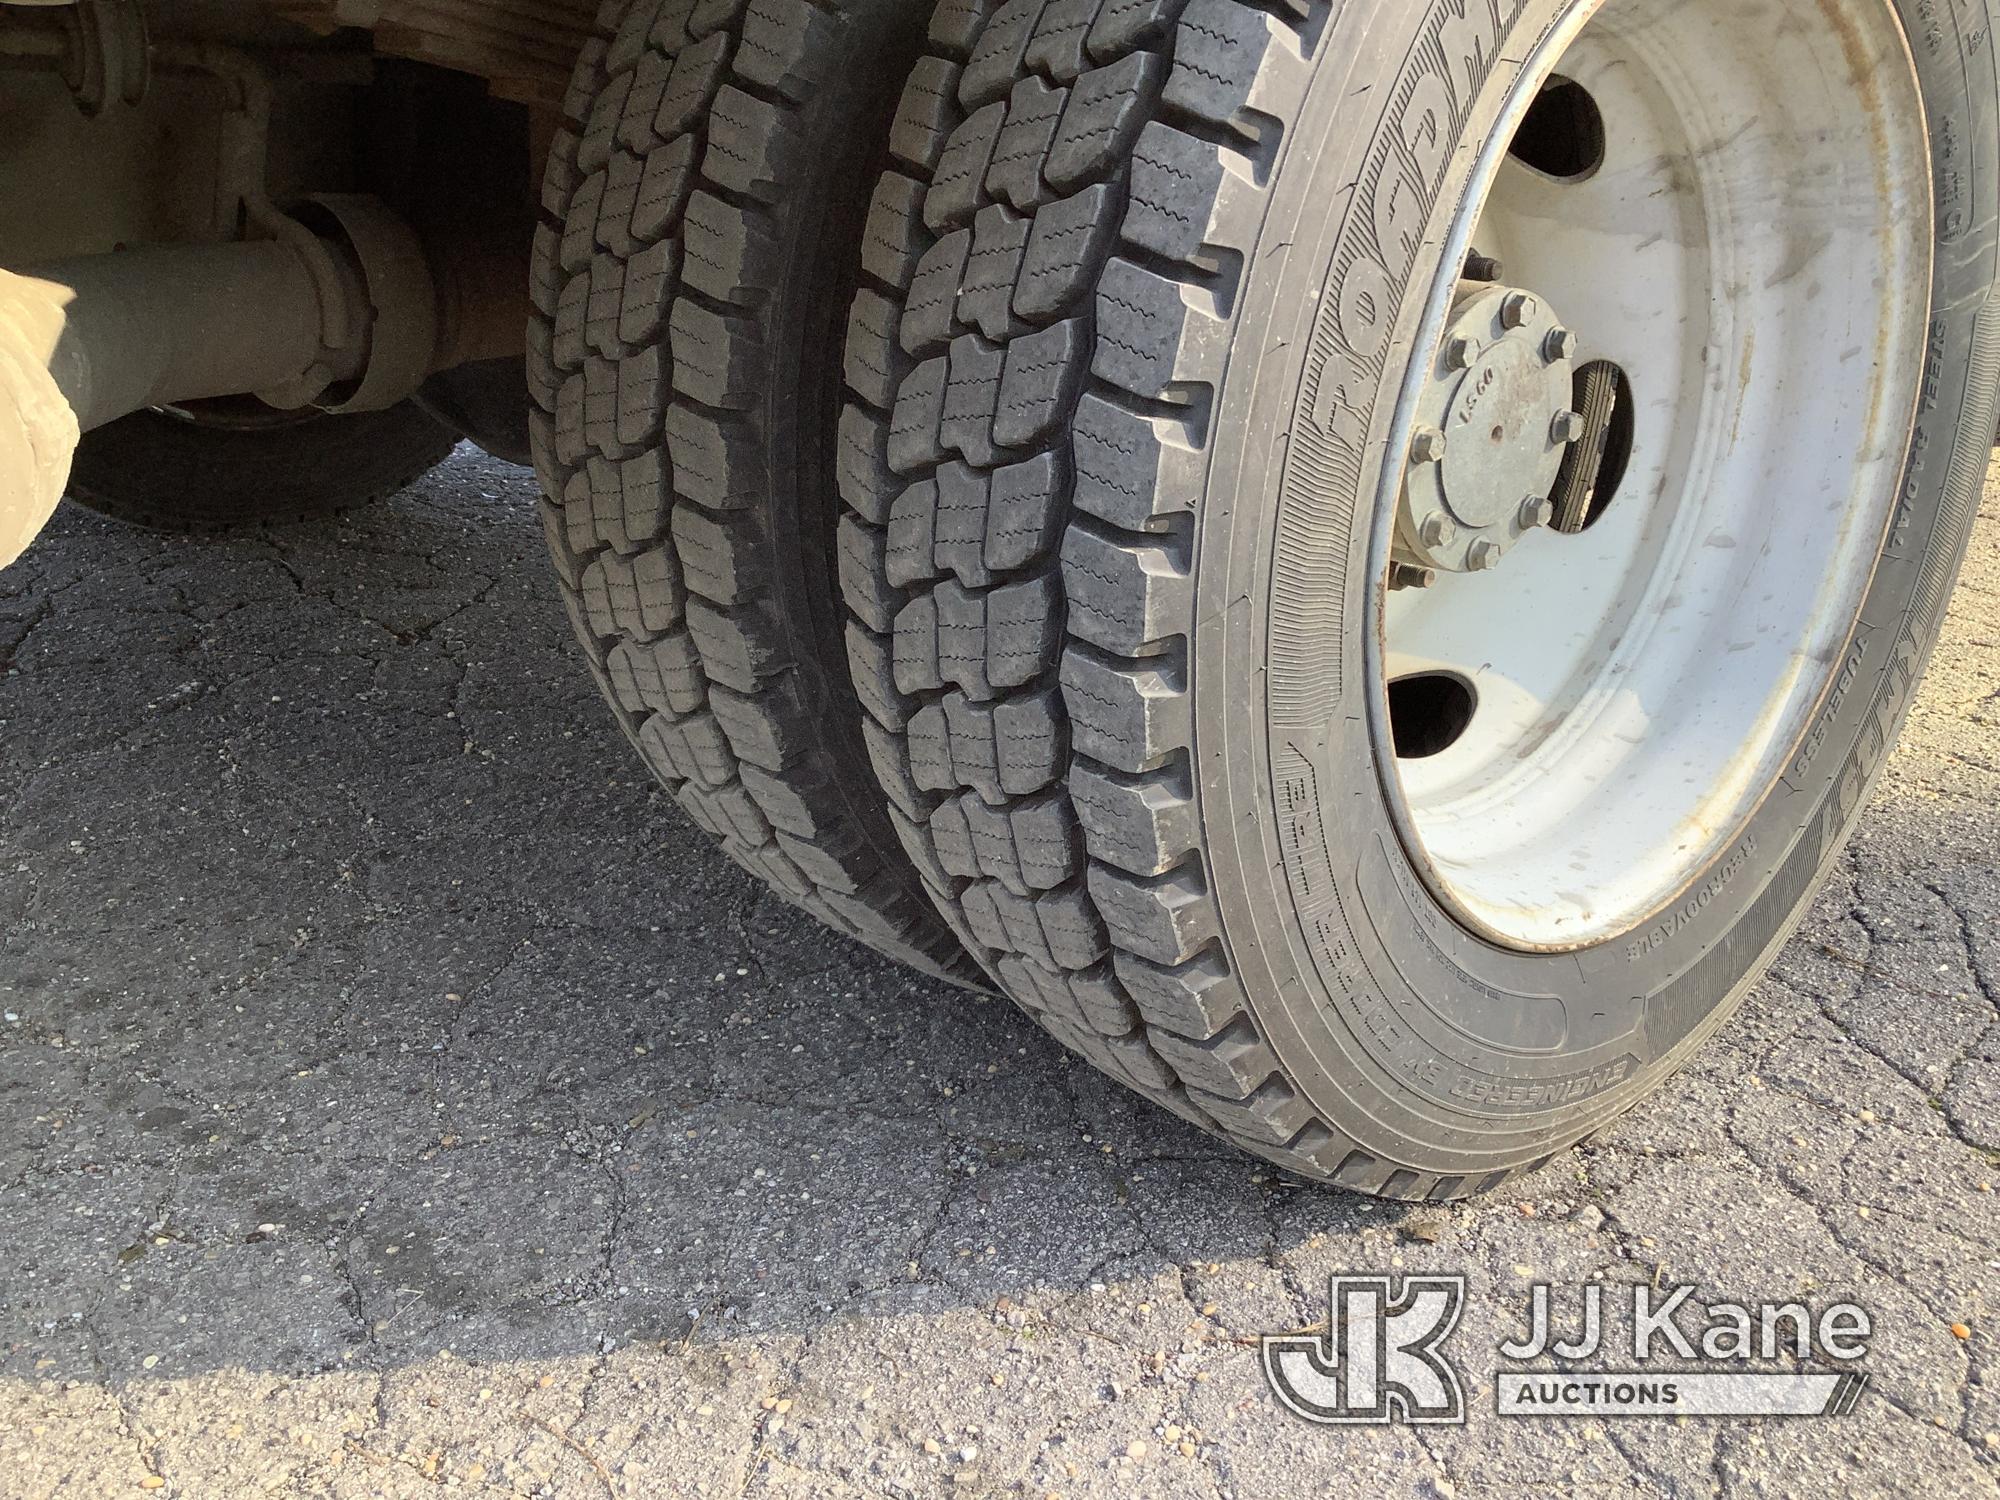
{"x": 227, "y": 464}
{"x": 1175, "y": 349}
{"x": 703, "y": 210}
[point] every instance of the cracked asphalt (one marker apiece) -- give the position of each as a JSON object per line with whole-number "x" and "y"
{"x": 397, "y": 1092}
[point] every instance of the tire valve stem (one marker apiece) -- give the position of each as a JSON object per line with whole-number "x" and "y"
{"x": 1410, "y": 576}
{"x": 1483, "y": 267}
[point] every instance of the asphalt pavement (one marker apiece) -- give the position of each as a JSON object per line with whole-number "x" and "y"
{"x": 397, "y": 1092}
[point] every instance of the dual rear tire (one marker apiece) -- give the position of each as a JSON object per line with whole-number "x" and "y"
{"x": 1143, "y": 299}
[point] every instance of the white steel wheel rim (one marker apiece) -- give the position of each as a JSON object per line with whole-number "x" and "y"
{"x": 1754, "y": 251}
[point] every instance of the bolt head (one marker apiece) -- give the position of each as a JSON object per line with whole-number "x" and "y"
{"x": 1459, "y": 353}
{"x": 1427, "y": 447}
{"x": 1437, "y": 530}
{"x": 1561, "y": 345}
{"x": 1518, "y": 310}
{"x": 1567, "y": 428}
{"x": 1484, "y": 557}
{"x": 1536, "y": 512}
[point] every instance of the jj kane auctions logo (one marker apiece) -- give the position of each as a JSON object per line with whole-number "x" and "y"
{"x": 1382, "y": 1356}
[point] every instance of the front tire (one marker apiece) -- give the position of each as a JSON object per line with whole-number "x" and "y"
{"x": 1164, "y": 276}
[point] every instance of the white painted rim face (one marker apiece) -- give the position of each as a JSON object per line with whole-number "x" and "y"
{"x": 1753, "y": 250}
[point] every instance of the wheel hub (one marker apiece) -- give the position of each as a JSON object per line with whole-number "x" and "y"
{"x": 1493, "y": 422}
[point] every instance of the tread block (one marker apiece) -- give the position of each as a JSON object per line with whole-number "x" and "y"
{"x": 894, "y": 239}
{"x": 750, "y": 142}
{"x": 1167, "y": 920}
{"x": 1024, "y": 515}
{"x": 1023, "y": 631}
{"x": 986, "y": 291}
{"x": 785, "y": 46}
{"x": 1128, "y": 467}
{"x": 1125, "y": 24}
{"x": 1141, "y": 325}
{"x": 620, "y": 503}
{"x": 1034, "y": 111}
{"x": 1039, "y": 387}
{"x": 651, "y": 277}
{"x": 728, "y": 250}
{"x": 998, "y": 52}
{"x": 717, "y": 463}
{"x": 861, "y": 464}
{"x": 664, "y": 185}
{"x": 926, "y": 115}
{"x": 1057, "y": 47}
{"x": 717, "y": 358}
{"x": 1106, "y": 110}
{"x": 958, "y": 537}
{"x": 909, "y": 556}
{"x": 740, "y": 648}
{"x": 870, "y": 366}
{"x": 661, "y": 676}
{"x": 954, "y": 194}
{"x": 864, "y": 578}
{"x": 694, "y": 746}
{"x": 1070, "y": 240}
{"x": 1129, "y": 716}
{"x": 913, "y": 441}
{"x": 697, "y": 72}
{"x": 1174, "y": 175}
{"x": 1219, "y": 47}
{"x": 1031, "y": 743}
{"x": 971, "y": 398}
{"x": 930, "y": 307}
{"x": 1196, "y": 1000}
{"x": 1144, "y": 826}
{"x": 1124, "y": 596}
{"x": 715, "y": 558}
{"x": 639, "y": 596}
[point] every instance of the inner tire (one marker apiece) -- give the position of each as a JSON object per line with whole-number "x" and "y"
{"x": 1151, "y": 279}
{"x": 702, "y": 215}
{"x": 229, "y": 464}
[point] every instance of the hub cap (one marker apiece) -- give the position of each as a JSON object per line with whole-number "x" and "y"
{"x": 1730, "y": 207}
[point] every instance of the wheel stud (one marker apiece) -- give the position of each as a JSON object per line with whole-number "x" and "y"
{"x": 1483, "y": 267}
{"x": 1484, "y": 557}
{"x": 1427, "y": 447}
{"x": 1518, "y": 310}
{"x": 1568, "y": 427}
{"x": 1437, "y": 530}
{"x": 1561, "y": 345}
{"x": 1536, "y": 512}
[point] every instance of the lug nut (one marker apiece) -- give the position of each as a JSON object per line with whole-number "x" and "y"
{"x": 1427, "y": 447}
{"x": 1519, "y": 309}
{"x": 1567, "y": 428}
{"x": 1536, "y": 512}
{"x": 1460, "y": 353}
{"x": 1561, "y": 345}
{"x": 1484, "y": 557}
{"x": 1437, "y": 530}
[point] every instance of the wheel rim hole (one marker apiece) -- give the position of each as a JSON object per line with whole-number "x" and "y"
{"x": 1617, "y": 441}
{"x": 1562, "y": 134}
{"x": 1429, "y": 713}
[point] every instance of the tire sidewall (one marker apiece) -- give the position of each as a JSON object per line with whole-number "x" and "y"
{"x": 1435, "y": 1048}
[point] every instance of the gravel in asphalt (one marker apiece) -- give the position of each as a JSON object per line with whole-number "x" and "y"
{"x": 396, "y": 1093}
